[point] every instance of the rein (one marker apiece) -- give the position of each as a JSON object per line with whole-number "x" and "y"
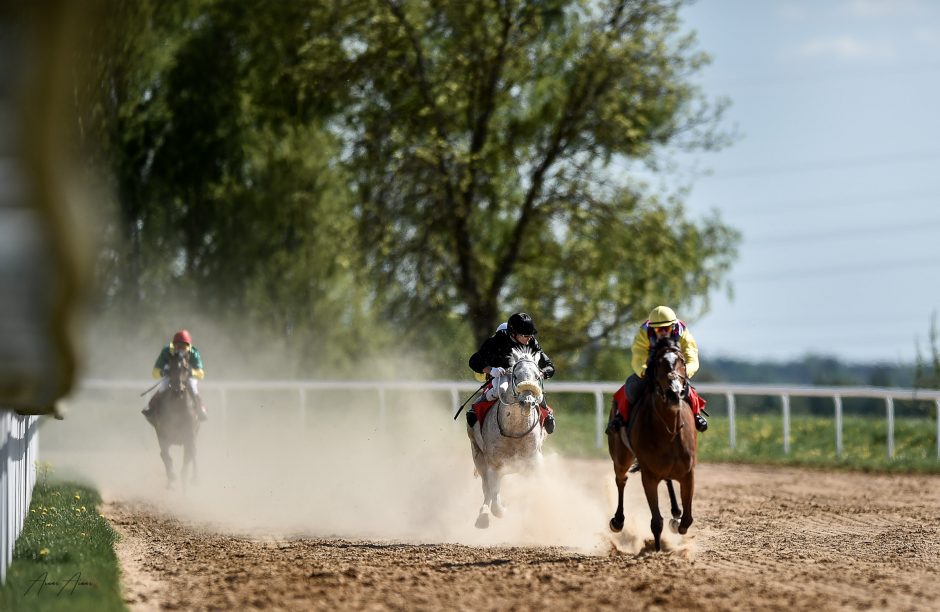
{"x": 515, "y": 385}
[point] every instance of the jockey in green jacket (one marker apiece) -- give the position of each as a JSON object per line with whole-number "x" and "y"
{"x": 182, "y": 342}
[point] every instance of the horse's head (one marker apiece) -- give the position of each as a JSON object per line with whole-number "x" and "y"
{"x": 179, "y": 371}
{"x": 667, "y": 369}
{"x": 526, "y": 377}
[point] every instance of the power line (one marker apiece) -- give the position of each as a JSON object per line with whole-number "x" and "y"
{"x": 828, "y": 75}
{"x": 776, "y": 239}
{"x": 812, "y": 166}
{"x": 780, "y": 208}
{"x": 845, "y": 270}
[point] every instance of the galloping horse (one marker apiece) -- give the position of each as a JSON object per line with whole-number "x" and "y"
{"x": 510, "y": 438}
{"x": 663, "y": 439}
{"x": 175, "y": 421}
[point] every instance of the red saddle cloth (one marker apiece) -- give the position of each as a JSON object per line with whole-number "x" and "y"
{"x": 696, "y": 401}
{"x": 482, "y": 407}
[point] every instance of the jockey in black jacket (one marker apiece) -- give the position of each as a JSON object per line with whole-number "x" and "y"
{"x": 494, "y": 358}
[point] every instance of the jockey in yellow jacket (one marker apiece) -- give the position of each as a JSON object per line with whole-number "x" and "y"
{"x": 661, "y": 323}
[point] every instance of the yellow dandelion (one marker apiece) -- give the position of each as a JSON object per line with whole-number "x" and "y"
{"x": 43, "y": 552}
{"x": 78, "y": 497}
{"x": 84, "y": 535}
{"x": 48, "y": 524}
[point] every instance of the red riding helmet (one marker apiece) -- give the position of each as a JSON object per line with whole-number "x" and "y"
{"x": 182, "y": 336}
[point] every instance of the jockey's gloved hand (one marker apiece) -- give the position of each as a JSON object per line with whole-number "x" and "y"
{"x": 497, "y": 371}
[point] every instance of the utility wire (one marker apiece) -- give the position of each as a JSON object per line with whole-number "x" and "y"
{"x": 787, "y": 207}
{"x": 773, "y": 240}
{"x": 814, "y": 166}
{"x": 845, "y": 270}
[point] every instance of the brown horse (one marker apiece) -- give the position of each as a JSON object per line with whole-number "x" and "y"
{"x": 662, "y": 438}
{"x": 175, "y": 421}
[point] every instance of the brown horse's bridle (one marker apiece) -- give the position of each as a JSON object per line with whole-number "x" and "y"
{"x": 661, "y": 392}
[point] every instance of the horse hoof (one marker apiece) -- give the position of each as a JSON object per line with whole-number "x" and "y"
{"x": 674, "y": 525}
{"x": 615, "y": 525}
{"x": 483, "y": 521}
{"x": 498, "y": 510}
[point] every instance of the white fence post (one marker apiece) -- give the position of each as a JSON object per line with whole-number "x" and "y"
{"x": 19, "y": 445}
{"x": 382, "y": 409}
{"x": 599, "y": 425}
{"x": 889, "y": 406}
{"x": 785, "y": 400}
{"x": 938, "y": 428}
{"x": 838, "y": 401}
{"x": 302, "y": 406}
{"x": 732, "y": 435}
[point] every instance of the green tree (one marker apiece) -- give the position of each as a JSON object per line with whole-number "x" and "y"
{"x": 228, "y": 196}
{"x": 492, "y": 146}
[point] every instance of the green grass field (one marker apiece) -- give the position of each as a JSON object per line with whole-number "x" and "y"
{"x": 64, "y": 558}
{"x": 759, "y": 439}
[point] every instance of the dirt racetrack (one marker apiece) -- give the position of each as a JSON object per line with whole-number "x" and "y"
{"x": 764, "y": 538}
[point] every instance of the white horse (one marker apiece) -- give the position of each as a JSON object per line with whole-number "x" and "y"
{"x": 510, "y": 439}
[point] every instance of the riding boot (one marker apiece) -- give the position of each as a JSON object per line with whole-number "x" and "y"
{"x": 549, "y": 424}
{"x": 700, "y": 423}
{"x": 614, "y": 424}
{"x": 471, "y": 418}
{"x": 150, "y": 412}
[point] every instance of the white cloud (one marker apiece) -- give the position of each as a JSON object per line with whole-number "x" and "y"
{"x": 843, "y": 47}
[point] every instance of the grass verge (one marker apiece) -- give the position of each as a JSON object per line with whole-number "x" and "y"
{"x": 64, "y": 558}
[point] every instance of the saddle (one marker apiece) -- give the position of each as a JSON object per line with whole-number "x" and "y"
{"x": 482, "y": 406}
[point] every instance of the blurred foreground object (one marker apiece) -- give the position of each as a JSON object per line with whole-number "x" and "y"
{"x": 41, "y": 263}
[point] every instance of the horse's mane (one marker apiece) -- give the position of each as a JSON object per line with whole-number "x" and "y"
{"x": 522, "y": 352}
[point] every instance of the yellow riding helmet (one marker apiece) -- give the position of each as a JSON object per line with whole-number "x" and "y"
{"x": 662, "y": 316}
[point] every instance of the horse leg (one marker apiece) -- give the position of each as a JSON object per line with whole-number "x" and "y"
{"x": 187, "y": 462}
{"x": 673, "y": 506}
{"x": 686, "y": 488}
{"x": 167, "y": 463}
{"x": 483, "y": 518}
{"x": 496, "y": 502}
{"x": 193, "y": 466}
{"x": 650, "y": 484}
{"x": 622, "y": 459}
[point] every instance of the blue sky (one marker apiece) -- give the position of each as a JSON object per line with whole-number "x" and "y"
{"x": 834, "y": 180}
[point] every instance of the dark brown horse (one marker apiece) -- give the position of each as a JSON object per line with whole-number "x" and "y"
{"x": 662, "y": 438}
{"x": 175, "y": 421}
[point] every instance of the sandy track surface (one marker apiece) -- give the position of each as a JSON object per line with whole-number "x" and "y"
{"x": 764, "y": 538}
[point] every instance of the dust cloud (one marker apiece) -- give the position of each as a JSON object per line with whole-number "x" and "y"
{"x": 337, "y": 466}
{"x": 322, "y": 463}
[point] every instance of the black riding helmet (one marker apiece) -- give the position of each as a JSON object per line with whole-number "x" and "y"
{"x": 522, "y": 324}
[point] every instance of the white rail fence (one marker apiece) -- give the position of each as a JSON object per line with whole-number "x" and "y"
{"x": 19, "y": 446}
{"x": 598, "y": 389}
